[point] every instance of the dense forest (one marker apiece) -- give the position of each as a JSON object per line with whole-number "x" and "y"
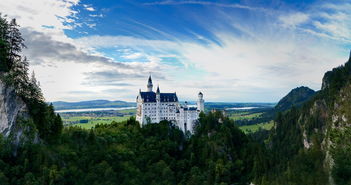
{"x": 124, "y": 153}
{"x": 310, "y": 144}
{"x": 298, "y": 150}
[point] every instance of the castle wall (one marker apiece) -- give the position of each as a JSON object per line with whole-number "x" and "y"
{"x": 155, "y": 110}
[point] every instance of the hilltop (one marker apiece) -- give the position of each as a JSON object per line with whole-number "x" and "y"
{"x": 296, "y": 97}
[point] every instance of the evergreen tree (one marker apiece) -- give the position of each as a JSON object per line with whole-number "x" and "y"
{"x": 14, "y": 70}
{"x": 16, "y": 42}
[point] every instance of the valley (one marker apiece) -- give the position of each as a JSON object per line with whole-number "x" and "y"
{"x": 88, "y": 118}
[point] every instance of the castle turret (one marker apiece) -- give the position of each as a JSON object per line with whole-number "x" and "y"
{"x": 185, "y": 104}
{"x": 200, "y": 102}
{"x": 149, "y": 84}
{"x": 158, "y": 105}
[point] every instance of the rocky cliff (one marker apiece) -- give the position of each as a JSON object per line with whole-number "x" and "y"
{"x": 311, "y": 144}
{"x": 324, "y": 120}
{"x": 12, "y": 108}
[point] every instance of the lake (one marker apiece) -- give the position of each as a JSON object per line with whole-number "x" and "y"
{"x": 241, "y": 108}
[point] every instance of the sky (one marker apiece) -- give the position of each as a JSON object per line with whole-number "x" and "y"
{"x": 233, "y": 51}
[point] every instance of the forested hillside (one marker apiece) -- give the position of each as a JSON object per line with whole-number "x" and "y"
{"x": 295, "y": 98}
{"x": 124, "y": 153}
{"x": 310, "y": 144}
{"x": 41, "y": 120}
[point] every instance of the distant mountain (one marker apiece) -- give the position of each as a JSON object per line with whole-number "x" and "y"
{"x": 295, "y": 97}
{"x": 61, "y": 105}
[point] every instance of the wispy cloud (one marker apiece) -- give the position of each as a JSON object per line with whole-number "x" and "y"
{"x": 96, "y": 15}
{"x": 294, "y": 19}
{"x": 331, "y": 21}
{"x": 232, "y": 51}
{"x": 89, "y": 8}
{"x": 34, "y": 14}
{"x": 205, "y": 3}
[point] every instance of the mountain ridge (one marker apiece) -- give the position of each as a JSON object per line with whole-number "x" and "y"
{"x": 296, "y": 97}
{"x": 61, "y": 105}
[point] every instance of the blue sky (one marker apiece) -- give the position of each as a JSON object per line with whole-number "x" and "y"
{"x": 237, "y": 51}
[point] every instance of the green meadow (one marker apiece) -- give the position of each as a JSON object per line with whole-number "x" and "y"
{"x": 244, "y": 115}
{"x": 89, "y": 122}
{"x": 256, "y": 127}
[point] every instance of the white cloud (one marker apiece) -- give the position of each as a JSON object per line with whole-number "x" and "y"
{"x": 96, "y": 15}
{"x": 88, "y": 7}
{"x": 294, "y": 19}
{"x": 246, "y": 68}
{"x": 205, "y": 3}
{"x": 241, "y": 69}
{"x": 61, "y": 65}
{"x": 133, "y": 56}
{"x": 331, "y": 21}
{"x": 93, "y": 25}
{"x": 97, "y": 41}
{"x": 39, "y": 13}
{"x": 259, "y": 66}
{"x": 337, "y": 24}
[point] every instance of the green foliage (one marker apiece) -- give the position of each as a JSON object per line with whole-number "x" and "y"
{"x": 285, "y": 160}
{"x": 290, "y": 162}
{"x": 14, "y": 72}
{"x": 11, "y": 44}
{"x": 124, "y": 153}
{"x": 220, "y": 150}
{"x": 341, "y": 152}
{"x": 294, "y": 98}
{"x": 257, "y": 127}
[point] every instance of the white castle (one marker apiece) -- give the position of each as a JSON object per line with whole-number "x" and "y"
{"x": 153, "y": 107}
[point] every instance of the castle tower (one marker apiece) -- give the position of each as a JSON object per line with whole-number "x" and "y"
{"x": 158, "y": 105}
{"x": 149, "y": 84}
{"x": 200, "y": 102}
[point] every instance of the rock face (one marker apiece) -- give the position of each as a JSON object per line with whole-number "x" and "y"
{"x": 318, "y": 131}
{"x": 12, "y": 107}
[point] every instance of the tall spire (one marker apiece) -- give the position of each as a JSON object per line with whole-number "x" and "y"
{"x": 200, "y": 102}
{"x": 149, "y": 84}
{"x": 158, "y": 89}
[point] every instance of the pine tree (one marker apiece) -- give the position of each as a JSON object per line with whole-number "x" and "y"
{"x": 11, "y": 44}
{"x": 4, "y": 45}
{"x": 35, "y": 91}
{"x": 15, "y": 40}
{"x": 57, "y": 127}
{"x": 19, "y": 76}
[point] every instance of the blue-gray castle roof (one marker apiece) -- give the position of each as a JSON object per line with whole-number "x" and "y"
{"x": 165, "y": 97}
